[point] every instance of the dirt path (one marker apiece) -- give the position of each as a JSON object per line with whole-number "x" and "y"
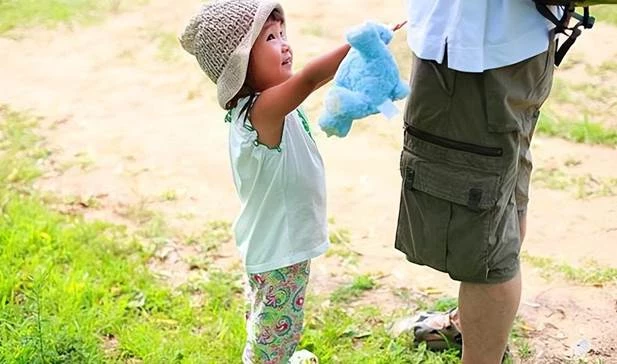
{"x": 132, "y": 129}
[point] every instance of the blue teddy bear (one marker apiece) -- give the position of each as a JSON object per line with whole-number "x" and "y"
{"x": 366, "y": 82}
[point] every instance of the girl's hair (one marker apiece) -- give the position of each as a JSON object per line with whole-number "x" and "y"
{"x": 275, "y": 16}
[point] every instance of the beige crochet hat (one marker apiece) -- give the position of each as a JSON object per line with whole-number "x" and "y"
{"x": 221, "y": 36}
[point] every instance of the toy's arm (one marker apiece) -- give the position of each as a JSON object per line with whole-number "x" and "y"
{"x": 273, "y": 104}
{"x": 362, "y": 36}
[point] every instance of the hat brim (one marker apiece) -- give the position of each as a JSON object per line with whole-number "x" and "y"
{"x": 233, "y": 75}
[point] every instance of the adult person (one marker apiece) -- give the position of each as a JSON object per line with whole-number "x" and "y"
{"x": 481, "y": 70}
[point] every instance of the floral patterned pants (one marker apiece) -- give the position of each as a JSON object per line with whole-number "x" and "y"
{"x": 276, "y": 316}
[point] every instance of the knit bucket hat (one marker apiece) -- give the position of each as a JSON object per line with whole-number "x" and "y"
{"x": 221, "y": 36}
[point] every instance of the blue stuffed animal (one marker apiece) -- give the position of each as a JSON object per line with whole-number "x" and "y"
{"x": 366, "y": 82}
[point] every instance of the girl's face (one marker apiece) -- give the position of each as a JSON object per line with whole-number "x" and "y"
{"x": 271, "y": 58}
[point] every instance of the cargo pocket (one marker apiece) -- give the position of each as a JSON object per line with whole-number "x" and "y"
{"x": 447, "y": 205}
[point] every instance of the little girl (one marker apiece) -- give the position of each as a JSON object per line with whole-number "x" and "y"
{"x": 277, "y": 170}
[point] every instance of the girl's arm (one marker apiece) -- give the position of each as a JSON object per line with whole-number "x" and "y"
{"x": 269, "y": 111}
{"x": 323, "y": 83}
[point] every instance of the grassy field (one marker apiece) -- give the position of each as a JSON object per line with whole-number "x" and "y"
{"x": 75, "y": 291}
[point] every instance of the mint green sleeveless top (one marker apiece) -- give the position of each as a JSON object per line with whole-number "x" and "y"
{"x": 282, "y": 190}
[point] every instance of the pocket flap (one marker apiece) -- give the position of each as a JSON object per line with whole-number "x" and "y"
{"x": 469, "y": 187}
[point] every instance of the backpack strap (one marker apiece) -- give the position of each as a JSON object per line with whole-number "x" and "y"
{"x": 561, "y": 25}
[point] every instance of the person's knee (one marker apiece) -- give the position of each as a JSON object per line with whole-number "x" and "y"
{"x": 496, "y": 292}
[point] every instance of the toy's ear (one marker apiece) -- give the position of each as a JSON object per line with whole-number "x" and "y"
{"x": 385, "y": 33}
{"x": 363, "y": 36}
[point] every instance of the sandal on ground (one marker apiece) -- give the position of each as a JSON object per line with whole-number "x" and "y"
{"x": 436, "y": 329}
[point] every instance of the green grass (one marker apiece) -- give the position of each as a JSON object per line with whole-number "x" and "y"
{"x": 552, "y": 178}
{"x": 340, "y": 240}
{"x": 340, "y": 335}
{"x": 571, "y": 60}
{"x": 590, "y": 272}
{"x": 592, "y": 90}
{"x": 582, "y": 111}
{"x": 519, "y": 339}
{"x": 212, "y": 235}
{"x": 169, "y": 195}
{"x": 582, "y": 131}
{"x": 560, "y": 93}
{"x": 73, "y": 291}
{"x": 340, "y": 236}
{"x": 606, "y": 68}
{"x": 605, "y": 13}
{"x": 29, "y": 13}
{"x": 359, "y": 285}
{"x": 151, "y": 225}
{"x": 20, "y": 150}
{"x": 582, "y": 186}
{"x": 445, "y": 304}
{"x": 68, "y": 287}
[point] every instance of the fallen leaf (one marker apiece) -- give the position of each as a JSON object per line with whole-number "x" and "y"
{"x": 431, "y": 291}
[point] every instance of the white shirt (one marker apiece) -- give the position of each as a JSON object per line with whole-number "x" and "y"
{"x": 476, "y": 34}
{"x": 282, "y": 191}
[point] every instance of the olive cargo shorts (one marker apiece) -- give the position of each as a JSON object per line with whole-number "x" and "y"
{"x": 466, "y": 166}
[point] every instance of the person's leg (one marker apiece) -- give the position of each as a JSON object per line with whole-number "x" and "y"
{"x": 276, "y": 317}
{"x": 486, "y": 314}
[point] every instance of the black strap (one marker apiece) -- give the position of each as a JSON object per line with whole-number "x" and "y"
{"x": 586, "y": 20}
{"x": 561, "y": 26}
{"x": 248, "y": 106}
{"x": 560, "y": 52}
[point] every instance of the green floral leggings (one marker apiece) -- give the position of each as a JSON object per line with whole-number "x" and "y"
{"x": 276, "y": 316}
